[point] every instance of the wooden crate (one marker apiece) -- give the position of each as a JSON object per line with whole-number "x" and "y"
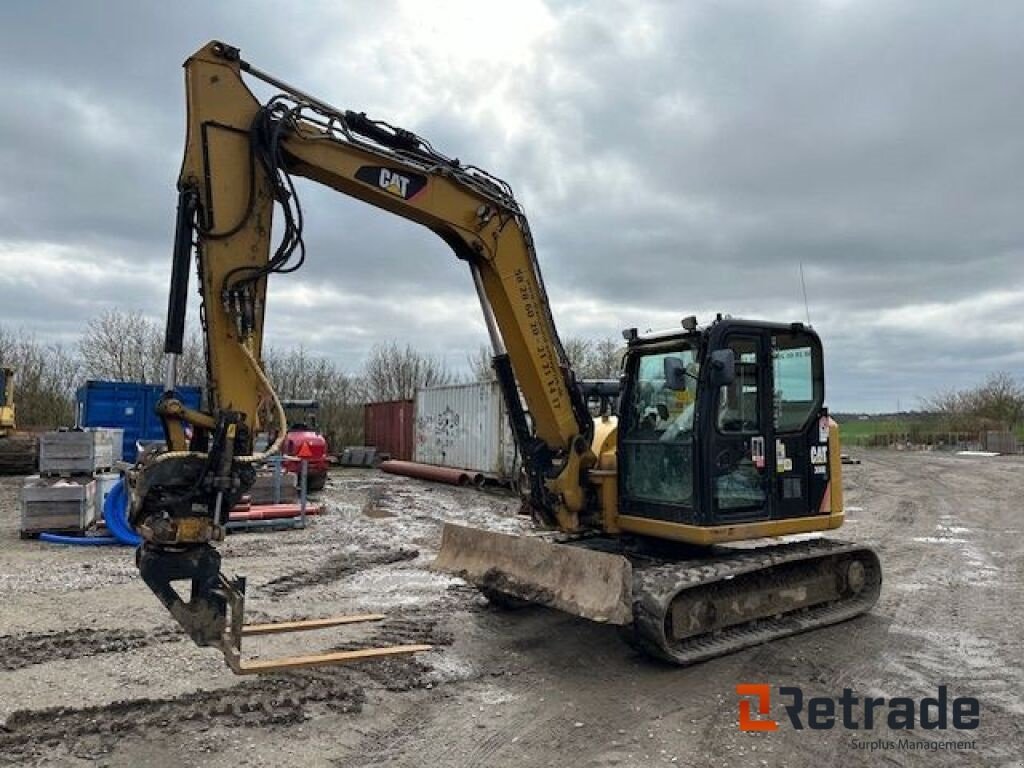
{"x": 49, "y": 504}
{"x": 79, "y": 452}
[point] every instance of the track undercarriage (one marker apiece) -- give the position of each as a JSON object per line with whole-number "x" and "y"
{"x": 682, "y": 608}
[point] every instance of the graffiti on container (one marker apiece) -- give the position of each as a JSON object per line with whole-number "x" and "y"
{"x": 440, "y": 429}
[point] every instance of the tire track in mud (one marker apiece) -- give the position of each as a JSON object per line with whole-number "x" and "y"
{"x": 335, "y": 568}
{"x": 280, "y": 700}
{"x": 27, "y": 649}
{"x": 409, "y": 627}
{"x": 258, "y": 703}
{"x": 941, "y": 608}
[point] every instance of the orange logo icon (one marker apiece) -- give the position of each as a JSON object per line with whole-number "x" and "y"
{"x": 763, "y": 694}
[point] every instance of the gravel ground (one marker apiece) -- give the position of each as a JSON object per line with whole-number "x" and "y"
{"x": 93, "y": 671}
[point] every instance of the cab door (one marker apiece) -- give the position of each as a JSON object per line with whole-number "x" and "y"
{"x": 737, "y": 432}
{"x": 799, "y": 423}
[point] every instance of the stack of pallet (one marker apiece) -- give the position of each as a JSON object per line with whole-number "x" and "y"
{"x": 75, "y": 475}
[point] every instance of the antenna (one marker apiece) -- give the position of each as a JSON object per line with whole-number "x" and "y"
{"x": 803, "y": 285}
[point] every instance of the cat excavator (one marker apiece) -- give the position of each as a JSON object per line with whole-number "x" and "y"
{"x": 18, "y": 450}
{"x": 664, "y": 520}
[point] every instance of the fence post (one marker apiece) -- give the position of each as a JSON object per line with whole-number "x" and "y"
{"x": 302, "y": 497}
{"x": 278, "y": 463}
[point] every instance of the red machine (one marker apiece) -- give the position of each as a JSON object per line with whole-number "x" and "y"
{"x": 304, "y": 441}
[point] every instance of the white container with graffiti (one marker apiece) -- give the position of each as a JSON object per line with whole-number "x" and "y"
{"x": 465, "y": 426}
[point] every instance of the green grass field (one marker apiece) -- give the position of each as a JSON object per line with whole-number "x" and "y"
{"x": 922, "y": 428}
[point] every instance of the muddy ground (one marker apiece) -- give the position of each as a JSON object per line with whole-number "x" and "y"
{"x": 93, "y": 672}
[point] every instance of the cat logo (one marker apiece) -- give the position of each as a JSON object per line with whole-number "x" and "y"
{"x": 395, "y": 182}
{"x": 819, "y": 454}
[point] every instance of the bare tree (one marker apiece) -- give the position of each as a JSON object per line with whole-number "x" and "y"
{"x": 45, "y": 379}
{"x": 128, "y": 346}
{"x": 480, "y": 367}
{"x": 392, "y": 372}
{"x": 296, "y": 374}
{"x": 605, "y": 359}
{"x": 998, "y": 403}
{"x": 601, "y": 359}
{"x": 577, "y": 350}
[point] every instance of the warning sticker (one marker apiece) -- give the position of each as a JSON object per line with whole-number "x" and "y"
{"x": 823, "y": 429}
{"x": 757, "y": 451}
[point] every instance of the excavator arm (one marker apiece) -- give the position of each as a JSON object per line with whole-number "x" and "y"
{"x": 240, "y": 159}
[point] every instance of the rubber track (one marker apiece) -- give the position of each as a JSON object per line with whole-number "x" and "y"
{"x": 657, "y": 584}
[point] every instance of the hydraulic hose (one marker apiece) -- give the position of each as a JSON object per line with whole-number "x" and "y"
{"x": 282, "y": 420}
{"x": 115, "y": 515}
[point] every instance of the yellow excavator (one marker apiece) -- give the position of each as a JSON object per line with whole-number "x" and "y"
{"x": 7, "y": 422}
{"x": 18, "y": 450}
{"x": 664, "y": 521}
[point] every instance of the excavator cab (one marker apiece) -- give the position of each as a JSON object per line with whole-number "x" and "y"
{"x": 723, "y": 425}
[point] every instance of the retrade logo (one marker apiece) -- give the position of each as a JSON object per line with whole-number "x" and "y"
{"x": 852, "y": 712}
{"x": 396, "y": 182}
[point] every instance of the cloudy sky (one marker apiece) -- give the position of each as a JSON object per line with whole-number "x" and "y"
{"x": 674, "y": 159}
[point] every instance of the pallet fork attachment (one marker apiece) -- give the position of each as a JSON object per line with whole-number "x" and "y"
{"x": 215, "y": 598}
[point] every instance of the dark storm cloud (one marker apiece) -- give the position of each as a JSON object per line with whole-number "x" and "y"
{"x": 673, "y": 158}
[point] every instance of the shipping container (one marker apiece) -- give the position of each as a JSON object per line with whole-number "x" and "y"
{"x": 465, "y": 426}
{"x": 388, "y": 427}
{"x": 129, "y": 406}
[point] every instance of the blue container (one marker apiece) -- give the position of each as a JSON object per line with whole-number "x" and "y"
{"x": 129, "y": 406}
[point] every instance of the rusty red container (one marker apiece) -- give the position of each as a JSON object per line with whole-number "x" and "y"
{"x": 388, "y": 427}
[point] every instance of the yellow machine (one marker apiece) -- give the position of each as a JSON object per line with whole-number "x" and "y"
{"x": 7, "y": 422}
{"x": 17, "y": 449}
{"x": 722, "y": 434}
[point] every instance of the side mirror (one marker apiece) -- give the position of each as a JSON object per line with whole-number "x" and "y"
{"x": 675, "y": 374}
{"x": 723, "y": 367}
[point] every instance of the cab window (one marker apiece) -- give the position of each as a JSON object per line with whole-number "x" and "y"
{"x": 798, "y": 380}
{"x": 657, "y": 431}
{"x": 738, "y": 406}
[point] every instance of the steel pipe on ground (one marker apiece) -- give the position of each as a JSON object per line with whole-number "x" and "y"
{"x": 427, "y": 472}
{"x": 272, "y": 511}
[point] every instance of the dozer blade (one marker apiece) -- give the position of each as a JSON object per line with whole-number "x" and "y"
{"x": 583, "y": 582}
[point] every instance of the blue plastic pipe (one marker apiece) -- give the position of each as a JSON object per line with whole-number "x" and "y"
{"x": 80, "y": 541}
{"x": 115, "y": 515}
